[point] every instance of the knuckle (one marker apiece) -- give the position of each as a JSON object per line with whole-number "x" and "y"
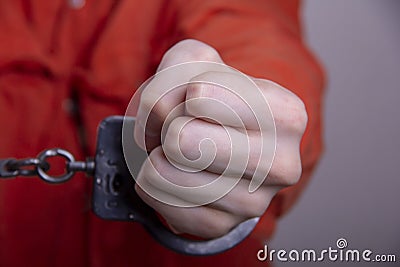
{"x": 261, "y": 204}
{"x": 289, "y": 111}
{"x": 296, "y": 115}
{"x": 293, "y": 178}
{"x": 254, "y": 204}
{"x": 291, "y": 173}
{"x": 207, "y": 98}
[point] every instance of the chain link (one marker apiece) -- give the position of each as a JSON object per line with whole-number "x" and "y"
{"x": 27, "y": 167}
{"x": 39, "y": 166}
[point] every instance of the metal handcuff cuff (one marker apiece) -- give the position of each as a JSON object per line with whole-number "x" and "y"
{"x": 114, "y": 197}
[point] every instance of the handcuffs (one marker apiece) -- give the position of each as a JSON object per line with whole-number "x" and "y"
{"x": 114, "y": 197}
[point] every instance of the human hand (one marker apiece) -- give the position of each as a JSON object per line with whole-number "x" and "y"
{"x": 175, "y": 127}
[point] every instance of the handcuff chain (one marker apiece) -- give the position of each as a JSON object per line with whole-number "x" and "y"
{"x": 39, "y": 166}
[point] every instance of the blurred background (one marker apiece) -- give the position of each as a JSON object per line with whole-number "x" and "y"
{"x": 355, "y": 192}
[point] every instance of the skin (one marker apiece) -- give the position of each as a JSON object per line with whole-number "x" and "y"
{"x": 217, "y": 218}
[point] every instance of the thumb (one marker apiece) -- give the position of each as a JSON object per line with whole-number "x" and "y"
{"x": 187, "y": 51}
{"x": 156, "y": 103}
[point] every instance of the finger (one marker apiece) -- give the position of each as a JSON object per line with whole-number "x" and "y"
{"x": 189, "y": 50}
{"x": 200, "y": 221}
{"x": 229, "y": 98}
{"x": 237, "y": 200}
{"x": 241, "y": 202}
{"x": 233, "y": 198}
{"x": 286, "y": 112}
{"x": 233, "y": 99}
{"x": 288, "y": 109}
{"x": 201, "y": 145}
{"x": 250, "y": 98}
{"x": 157, "y": 178}
{"x": 157, "y": 100}
{"x": 290, "y": 118}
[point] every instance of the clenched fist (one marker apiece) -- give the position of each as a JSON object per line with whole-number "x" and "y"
{"x": 221, "y": 143}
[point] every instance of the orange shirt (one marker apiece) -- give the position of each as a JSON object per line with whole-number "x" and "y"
{"x": 100, "y": 53}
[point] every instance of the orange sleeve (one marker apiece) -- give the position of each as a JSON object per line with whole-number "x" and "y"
{"x": 263, "y": 38}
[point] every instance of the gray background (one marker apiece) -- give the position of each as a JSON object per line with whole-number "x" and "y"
{"x": 355, "y": 191}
